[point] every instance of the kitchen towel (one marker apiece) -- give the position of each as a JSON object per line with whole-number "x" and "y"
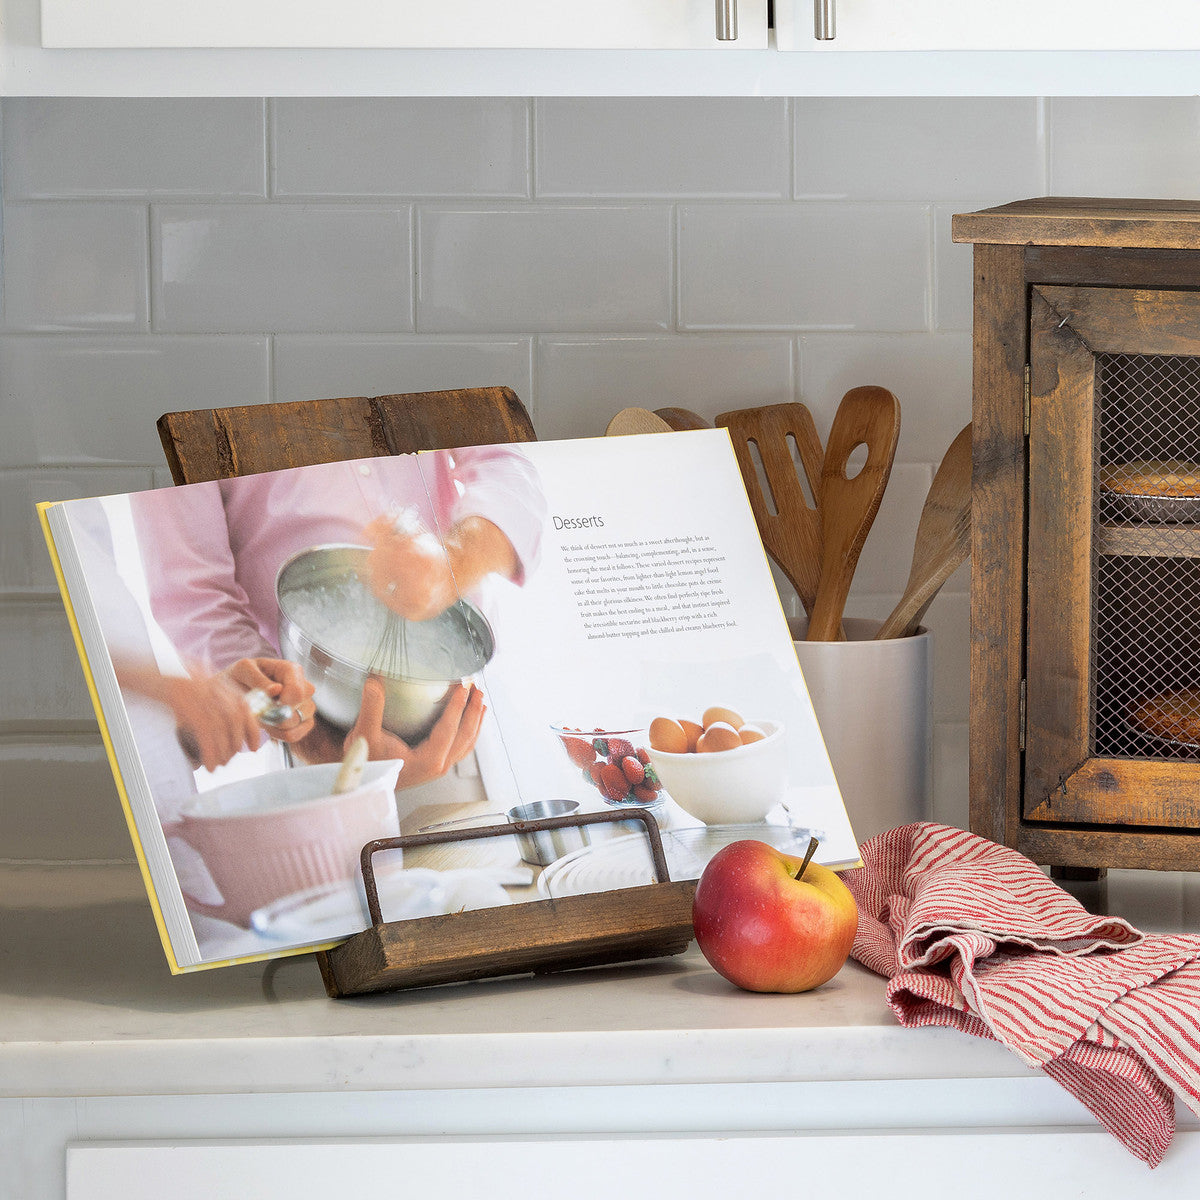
{"x": 973, "y": 935}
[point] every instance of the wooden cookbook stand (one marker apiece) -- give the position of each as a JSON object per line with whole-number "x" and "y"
{"x": 537, "y": 935}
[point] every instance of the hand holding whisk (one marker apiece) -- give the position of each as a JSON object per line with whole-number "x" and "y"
{"x": 409, "y": 569}
{"x": 391, "y": 652}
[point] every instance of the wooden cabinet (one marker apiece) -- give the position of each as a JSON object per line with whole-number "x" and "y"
{"x": 467, "y": 24}
{"x": 1085, "y": 667}
{"x": 916, "y": 25}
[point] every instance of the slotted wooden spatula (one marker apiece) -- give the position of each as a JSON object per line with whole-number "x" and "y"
{"x": 789, "y": 526}
{"x": 943, "y": 538}
{"x": 867, "y": 416}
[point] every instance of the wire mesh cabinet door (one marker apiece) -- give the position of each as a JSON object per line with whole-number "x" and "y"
{"x": 1112, "y": 720}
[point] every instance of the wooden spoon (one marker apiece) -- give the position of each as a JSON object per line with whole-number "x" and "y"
{"x": 636, "y": 420}
{"x": 943, "y": 538}
{"x": 682, "y": 418}
{"x": 790, "y": 527}
{"x": 350, "y": 773}
{"x": 869, "y": 415}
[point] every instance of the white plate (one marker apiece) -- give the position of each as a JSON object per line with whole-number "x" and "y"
{"x": 625, "y": 861}
{"x": 337, "y": 910}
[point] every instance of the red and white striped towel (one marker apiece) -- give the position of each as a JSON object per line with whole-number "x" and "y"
{"x": 973, "y": 935}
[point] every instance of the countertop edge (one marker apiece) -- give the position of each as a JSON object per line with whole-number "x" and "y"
{"x": 487, "y": 1061}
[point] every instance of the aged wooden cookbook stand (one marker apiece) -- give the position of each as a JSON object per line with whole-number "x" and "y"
{"x": 1085, "y": 591}
{"x": 537, "y": 935}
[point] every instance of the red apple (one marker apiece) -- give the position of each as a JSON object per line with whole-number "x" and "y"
{"x": 766, "y": 930}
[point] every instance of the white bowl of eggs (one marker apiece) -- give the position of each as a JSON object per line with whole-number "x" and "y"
{"x": 721, "y": 770}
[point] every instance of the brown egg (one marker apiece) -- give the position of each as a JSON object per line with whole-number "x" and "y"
{"x": 720, "y": 735}
{"x": 751, "y": 733}
{"x": 693, "y": 732}
{"x": 668, "y": 736}
{"x": 727, "y": 715}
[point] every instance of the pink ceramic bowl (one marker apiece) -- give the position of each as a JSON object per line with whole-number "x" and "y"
{"x": 272, "y": 835}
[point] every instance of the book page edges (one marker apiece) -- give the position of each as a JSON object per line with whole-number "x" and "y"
{"x": 139, "y": 851}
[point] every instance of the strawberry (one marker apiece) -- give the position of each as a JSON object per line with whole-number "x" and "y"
{"x": 593, "y": 771}
{"x": 645, "y": 793}
{"x": 579, "y": 751}
{"x": 643, "y": 756}
{"x": 619, "y": 748}
{"x": 633, "y": 770}
{"x": 613, "y": 783}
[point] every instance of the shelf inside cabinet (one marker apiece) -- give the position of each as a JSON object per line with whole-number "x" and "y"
{"x": 1149, "y": 541}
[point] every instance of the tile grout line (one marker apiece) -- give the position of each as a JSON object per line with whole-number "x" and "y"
{"x": 152, "y": 266}
{"x": 414, "y": 270}
{"x": 1045, "y": 138}
{"x": 532, "y": 125}
{"x": 268, "y": 149}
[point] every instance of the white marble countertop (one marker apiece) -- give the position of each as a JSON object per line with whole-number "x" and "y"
{"x": 89, "y": 1008}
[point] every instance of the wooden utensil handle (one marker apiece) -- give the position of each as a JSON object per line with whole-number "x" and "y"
{"x": 867, "y": 416}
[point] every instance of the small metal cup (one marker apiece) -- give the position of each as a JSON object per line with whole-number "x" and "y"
{"x": 541, "y": 847}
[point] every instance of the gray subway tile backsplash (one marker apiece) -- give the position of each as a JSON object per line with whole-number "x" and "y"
{"x": 665, "y": 146}
{"x": 71, "y": 266}
{"x": 591, "y": 378}
{"x": 286, "y": 268}
{"x": 104, "y": 148}
{"x": 562, "y": 267}
{"x": 918, "y": 148}
{"x": 308, "y": 365}
{"x": 356, "y": 147}
{"x": 804, "y": 266}
{"x": 93, "y": 399}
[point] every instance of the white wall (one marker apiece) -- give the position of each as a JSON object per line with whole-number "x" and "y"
{"x": 592, "y": 254}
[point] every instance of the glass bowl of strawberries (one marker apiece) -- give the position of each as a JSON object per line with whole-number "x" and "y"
{"x": 616, "y": 762}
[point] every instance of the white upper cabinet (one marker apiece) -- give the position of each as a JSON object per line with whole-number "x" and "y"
{"x": 402, "y": 24}
{"x": 916, "y": 25}
{"x": 597, "y": 48}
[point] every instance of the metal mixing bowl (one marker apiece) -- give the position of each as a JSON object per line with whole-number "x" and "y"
{"x": 331, "y": 625}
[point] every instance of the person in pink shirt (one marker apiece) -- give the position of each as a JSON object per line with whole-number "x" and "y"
{"x": 212, "y": 551}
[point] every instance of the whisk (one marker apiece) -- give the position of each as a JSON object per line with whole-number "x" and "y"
{"x": 391, "y": 652}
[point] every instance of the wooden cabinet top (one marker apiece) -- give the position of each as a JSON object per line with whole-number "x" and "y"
{"x": 1075, "y": 221}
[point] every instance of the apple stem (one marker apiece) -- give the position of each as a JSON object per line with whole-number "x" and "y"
{"x": 813, "y": 843}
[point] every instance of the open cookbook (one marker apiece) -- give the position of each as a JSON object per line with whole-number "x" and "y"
{"x": 286, "y": 666}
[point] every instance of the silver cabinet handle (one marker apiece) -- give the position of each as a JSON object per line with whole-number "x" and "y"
{"x": 824, "y": 20}
{"x": 726, "y": 20}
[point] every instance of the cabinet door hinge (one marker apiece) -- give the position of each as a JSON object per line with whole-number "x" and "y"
{"x": 1021, "y": 717}
{"x": 1026, "y": 399}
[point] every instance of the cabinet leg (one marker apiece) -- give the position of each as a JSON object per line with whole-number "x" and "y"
{"x": 1089, "y": 885}
{"x": 1078, "y": 874}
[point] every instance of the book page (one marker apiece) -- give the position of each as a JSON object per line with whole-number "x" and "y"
{"x": 505, "y": 626}
{"x": 651, "y": 598}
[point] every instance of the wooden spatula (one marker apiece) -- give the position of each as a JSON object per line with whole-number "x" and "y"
{"x": 871, "y": 416}
{"x": 790, "y": 527}
{"x": 943, "y": 538}
{"x": 636, "y": 420}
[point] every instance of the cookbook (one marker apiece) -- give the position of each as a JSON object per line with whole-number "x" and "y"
{"x": 286, "y": 666}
